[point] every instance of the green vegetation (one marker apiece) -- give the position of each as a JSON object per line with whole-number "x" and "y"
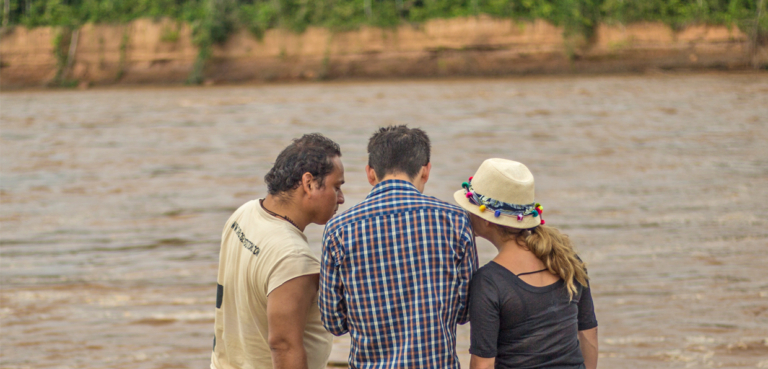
{"x": 169, "y": 34}
{"x": 213, "y": 21}
{"x": 259, "y": 15}
{"x": 123, "y": 55}
{"x": 62, "y": 42}
{"x": 60, "y": 46}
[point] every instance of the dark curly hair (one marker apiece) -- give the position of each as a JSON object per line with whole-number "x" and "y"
{"x": 311, "y": 153}
{"x": 398, "y": 149}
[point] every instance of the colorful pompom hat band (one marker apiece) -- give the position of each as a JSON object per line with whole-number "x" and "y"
{"x": 502, "y": 192}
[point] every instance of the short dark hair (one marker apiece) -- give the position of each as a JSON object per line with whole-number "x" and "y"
{"x": 398, "y": 149}
{"x": 311, "y": 153}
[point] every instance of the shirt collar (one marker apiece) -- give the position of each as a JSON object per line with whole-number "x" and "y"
{"x": 392, "y": 185}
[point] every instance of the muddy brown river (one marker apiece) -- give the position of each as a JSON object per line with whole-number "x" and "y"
{"x": 112, "y": 202}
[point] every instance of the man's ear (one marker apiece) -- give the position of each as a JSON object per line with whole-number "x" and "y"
{"x": 307, "y": 180}
{"x": 425, "y": 172}
{"x": 372, "y": 179}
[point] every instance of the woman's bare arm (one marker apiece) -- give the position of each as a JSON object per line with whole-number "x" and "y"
{"x": 588, "y": 345}
{"x": 477, "y": 362}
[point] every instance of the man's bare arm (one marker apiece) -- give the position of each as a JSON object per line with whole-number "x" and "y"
{"x": 287, "y": 308}
{"x": 588, "y": 345}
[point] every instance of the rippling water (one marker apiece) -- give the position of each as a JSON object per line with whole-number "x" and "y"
{"x": 112, "y": 203}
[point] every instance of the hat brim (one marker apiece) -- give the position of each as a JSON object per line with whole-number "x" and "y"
{"x": 528, "y": 222}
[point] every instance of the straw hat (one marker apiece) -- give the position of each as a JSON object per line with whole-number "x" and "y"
{"x": 501, "y": 192}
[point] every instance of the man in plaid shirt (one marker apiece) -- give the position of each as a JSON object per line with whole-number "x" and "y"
{"x": 395, "y": 268}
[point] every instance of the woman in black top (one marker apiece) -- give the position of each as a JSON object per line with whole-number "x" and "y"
{"x": 530, "y": 307}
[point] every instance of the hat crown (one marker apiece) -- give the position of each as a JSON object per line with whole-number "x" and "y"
{"x": 504, "y": 180}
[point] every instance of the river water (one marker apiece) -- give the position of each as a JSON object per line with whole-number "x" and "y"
{"x": 112, "y": 202}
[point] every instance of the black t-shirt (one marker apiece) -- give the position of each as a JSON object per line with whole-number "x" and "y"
{"x": 523, "y": 326}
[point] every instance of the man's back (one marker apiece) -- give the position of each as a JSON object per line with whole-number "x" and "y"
{"x": 259, "y": 253}
{"x": 395, "y": 274}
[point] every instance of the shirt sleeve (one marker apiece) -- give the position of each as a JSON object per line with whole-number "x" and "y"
{"x": 484, "y": 312}
{"x": 292, "y": 265}
{"x": 586, "y": 317}
{"x": 467, "y": 267}
{"x": 333, "y": 306}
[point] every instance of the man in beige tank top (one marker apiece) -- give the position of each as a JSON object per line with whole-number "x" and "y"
{"x": 266, "y": 304}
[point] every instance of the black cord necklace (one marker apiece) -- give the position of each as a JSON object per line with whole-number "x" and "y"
{"x": 538, "y": 271}
{"x": 272, "y": 213}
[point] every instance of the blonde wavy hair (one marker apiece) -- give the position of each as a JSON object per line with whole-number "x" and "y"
{"x": 554, "y": 249}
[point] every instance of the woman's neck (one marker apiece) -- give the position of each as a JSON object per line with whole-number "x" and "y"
{"x": 519, "y": 260}
{"x": 513, "y": 254}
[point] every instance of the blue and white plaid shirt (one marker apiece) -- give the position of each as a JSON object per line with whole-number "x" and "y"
{"x": 395, "y": 274}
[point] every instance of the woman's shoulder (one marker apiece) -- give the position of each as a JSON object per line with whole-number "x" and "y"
{"x": 489, "y": 274}
{"x": 486, "y": 283}
{"x": 490, "y": 269}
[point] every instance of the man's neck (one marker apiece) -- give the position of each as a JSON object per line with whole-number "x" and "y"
{"x": 403, "y": 177}
{"x": 287, "y": 207}
{"x": 400, "y": 176}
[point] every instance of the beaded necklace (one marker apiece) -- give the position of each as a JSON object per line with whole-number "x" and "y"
{"x": 272, "y": 213}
